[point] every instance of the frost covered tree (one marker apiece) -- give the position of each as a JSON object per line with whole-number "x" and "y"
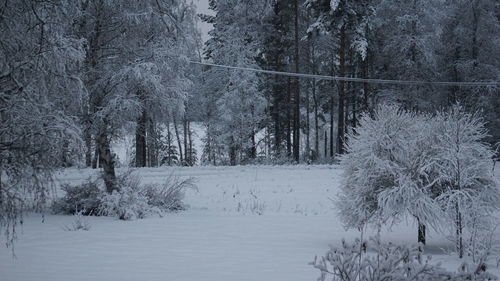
{"x": 434, "y": 168}
{"x": 134, "y": 71}
{"x": 39, "y": 89}
{"x": 470, "y": 52}
{"x": 234, "y": 105}
{"x": 349, "y": 22}
{"x": 387, "y": 173}
{"x": 407, "y": 35}
{"x": 468, "y": 192}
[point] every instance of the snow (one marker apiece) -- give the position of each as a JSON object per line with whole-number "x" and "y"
{"x": 221, "y": 237}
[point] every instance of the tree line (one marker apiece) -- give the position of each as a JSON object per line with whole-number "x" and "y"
{"x": 251, "y": 116}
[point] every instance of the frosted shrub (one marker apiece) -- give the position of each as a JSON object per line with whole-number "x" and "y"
{"x": 433, "y": 168}
{"x": 386, "y": 170}
{"x": 377, "y": 261}
{"x": 81, "y": 222}
{"x": 468, "y": 193}
{"x": 84, "y": 199}
{"x": 168, "y": 196}
{"x": 128, "y": 202}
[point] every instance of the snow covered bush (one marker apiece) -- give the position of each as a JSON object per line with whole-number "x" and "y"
{"x": 169, "y": 195}
{"x": 377, "y": 261}
{"x": 81, "y": 222}
{"x": 433, "y": 168}
{"x": 386, "y": 171}
{"x": 127, "y": 203}
{"x": 84, "y": 198}
{"x": 463, "y": 164}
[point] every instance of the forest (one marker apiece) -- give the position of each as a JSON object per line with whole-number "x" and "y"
{"x": 278, "y": 82}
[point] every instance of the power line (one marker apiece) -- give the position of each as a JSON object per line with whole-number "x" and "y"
{"x": 358, "y": 80}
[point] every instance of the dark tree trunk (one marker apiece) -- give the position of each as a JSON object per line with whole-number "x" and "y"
{"x": 459, "y": 229}
{"x": 354, "y": 94}
{"x": 315, "y": 102}
{"x": 316, "y": 120}
{"x": 310, "y": 85}
{"x": 88, "y": 143}
{"x": 191, "y": 160}
{"x": 232, "y": 152}
{"x": 140, "y": 140}
{"x": 366, "y": 87}
{"x": 106, "y": 159}
{"x": 326, "y": 144}
{"x": 209, "y": 147}
{"x": 169, "y": 145}
{"x": 288, "y": 120}
{"x": 296, "y": 123}
{"x": 332, "y": 110}
{"x": 187, "y": 157}
{"x": 421, "y": 232}
{"x": 341, "y": 121}
{"x": 152, "y": 144}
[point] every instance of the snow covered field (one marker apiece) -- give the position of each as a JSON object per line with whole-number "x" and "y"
{"x": 244, "y": 223}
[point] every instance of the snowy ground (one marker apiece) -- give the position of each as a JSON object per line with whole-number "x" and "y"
{"x": 245, "y": 223}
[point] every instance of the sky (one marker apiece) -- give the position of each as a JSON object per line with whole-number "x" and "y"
{"x": 202, "y": 6}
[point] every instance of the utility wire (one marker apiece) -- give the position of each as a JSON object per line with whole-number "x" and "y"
{"x": 358, "y": 80}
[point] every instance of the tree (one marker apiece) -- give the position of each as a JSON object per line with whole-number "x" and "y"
{"x": 134, "y": 71}
{"x": 468, "y": 193}
{"x": 434, "y": 168}
{"x": 469, "y": 52}
{"x": 39, "y": 60}
{"x": 236, "y": 106}
{"x": 349, "y": 21}
{"x": 387, "y": 174}
{"x": 407, "y": 36}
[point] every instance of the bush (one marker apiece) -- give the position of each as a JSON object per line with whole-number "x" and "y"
{"x": 129, "y": 202}
{"x": 389, "y": 262}
{"x": 84, "y": 199}
{"x": 434, "y": 168}
{"x": 81, "y": 222}
{"x": 168, "y": 196}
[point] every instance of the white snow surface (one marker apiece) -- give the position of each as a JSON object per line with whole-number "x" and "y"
{"x": 251, "y": 223}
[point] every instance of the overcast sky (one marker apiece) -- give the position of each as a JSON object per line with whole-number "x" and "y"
{"x": 203, "y": 9}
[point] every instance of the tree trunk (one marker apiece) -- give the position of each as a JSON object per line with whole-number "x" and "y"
{"x": 459, "y": 226}
{"x": 354, "y": 96}
{"x": 169, "y": 145}
{"x": 310, "y": 85}
{"x": 316, "y": 120}
{"x": 96, "y": 161}
{"x": 366, "y": 89}
{"x": 87, "y": 135}
{"x": 341, "y": 120}
{"x": 209, "y": 146}
{"x": 326, "y": 144}
{"x": 315, "y": 102}
{"x": 176, "y": 129}
{"x": 421, "y": 232}
{"x": 106, "y": 159}
{"x": 288, "y": 120}
{"x": 152, "y": 144}
{"x": 140, "y": 140}
{"x": 232, "y": 152}
{"x": 296, "y": 123}
{"x": 187, "y": 157}
{"x": 190, "y": 136}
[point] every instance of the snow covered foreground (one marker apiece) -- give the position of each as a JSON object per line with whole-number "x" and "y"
{"x": 245, "y": 223}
